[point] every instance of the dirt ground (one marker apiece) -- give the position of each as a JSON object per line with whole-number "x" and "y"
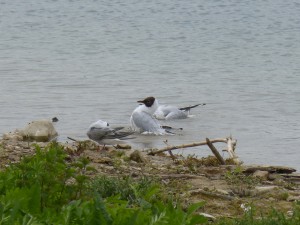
{"x": 228, "y": 190}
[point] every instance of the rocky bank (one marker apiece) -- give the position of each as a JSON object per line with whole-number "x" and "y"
{"x": 228, "y": 190}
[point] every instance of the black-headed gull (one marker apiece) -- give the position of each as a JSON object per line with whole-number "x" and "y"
{"x": 142, "y": 119}
{"x": 169, "y": 112}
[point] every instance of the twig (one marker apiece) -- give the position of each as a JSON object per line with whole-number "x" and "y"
{"x": 170, "y": 152}
{"x": 72, "y": 139}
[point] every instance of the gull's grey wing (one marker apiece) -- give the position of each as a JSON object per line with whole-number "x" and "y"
{"x": 145, "y": 122}
{"x": 96, "y": 133}
{"x": 176, "y": 114}
{"x": 119, "y": 135}
{"x": 172, "y": 112}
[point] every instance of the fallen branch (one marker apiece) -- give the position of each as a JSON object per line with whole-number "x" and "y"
{"x": 173, "y": 147}
{"x": 231, "y": 143}
{"x": 215, "y": 151}
{"x": 231, "y": 150}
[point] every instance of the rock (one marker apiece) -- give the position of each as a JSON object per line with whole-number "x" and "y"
{"x": 208, "y": 216}
{"x": 137, "y": 157}
{"x": 264, "y": 175}
{"x": 40, "y": 130}
{"x": 103, "y": 160}
{"x": 224, "y": 192}
{"x": 123, "y": 146}
{"x": 293, "y": 198}
{"x": 272, "y": 169}
{"x": 275, "y": 176}
{"x": 259, "y": 190}
{"x": 13, "y": 136}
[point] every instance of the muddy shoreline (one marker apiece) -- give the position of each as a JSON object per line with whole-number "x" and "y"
{"x": 227, "y": 189}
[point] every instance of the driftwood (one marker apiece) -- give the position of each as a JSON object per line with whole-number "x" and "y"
{"x": 230, "y": 148}
{"x": 173, "y": 147}
{"x": 271, "y": 169}
{"x": 215, "y": 151}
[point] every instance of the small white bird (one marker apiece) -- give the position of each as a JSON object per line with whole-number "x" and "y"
{"x": 168, "y": 112}
{"x": 100, "y": 131}
{"x": 142, "y": 119}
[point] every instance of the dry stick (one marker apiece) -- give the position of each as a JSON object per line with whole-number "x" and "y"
{"x": 170, "y": 152}
{"x": 72, "y": 139}
{"x": 215, "y": 151}
{"x": 168, "y": 148}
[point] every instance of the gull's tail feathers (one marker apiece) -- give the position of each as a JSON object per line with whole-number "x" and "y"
{"x": 188, "y": 108}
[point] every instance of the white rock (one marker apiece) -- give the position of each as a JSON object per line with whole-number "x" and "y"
{"x": 40, "y": 130}
{"x": 208, "y": 216}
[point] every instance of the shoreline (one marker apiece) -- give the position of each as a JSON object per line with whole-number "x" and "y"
{"x": 226, "y": 189}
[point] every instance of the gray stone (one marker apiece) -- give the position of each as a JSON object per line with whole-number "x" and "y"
{"x": 293, "y": 198}
{"x": 265, "y": 189}
{"x": 13, "y": 136}
{"x": 264, "y": 175}
{"x": 40, "y": 130}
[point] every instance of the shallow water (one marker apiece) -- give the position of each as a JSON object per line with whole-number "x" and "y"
{"x": 88, "y": 60}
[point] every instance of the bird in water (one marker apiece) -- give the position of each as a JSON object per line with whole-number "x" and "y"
{"x": 142, "y": 119}
{"x": 101, "y": 132}
{"x": 169, "y": 112}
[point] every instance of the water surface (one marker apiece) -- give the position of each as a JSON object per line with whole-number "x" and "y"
{"x": 88, "y": 60}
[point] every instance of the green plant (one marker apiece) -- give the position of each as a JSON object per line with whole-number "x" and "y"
{"x": 237, "y": 177}
{"x": 273, "y": 218}
{"x": 127, "y": 188}
{"x": 46, "y": 189}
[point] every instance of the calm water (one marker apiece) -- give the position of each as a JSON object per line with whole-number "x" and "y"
{"x": 88, "y": 60}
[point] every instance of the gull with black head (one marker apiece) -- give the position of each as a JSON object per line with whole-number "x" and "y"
{"x": 142, "y": 119}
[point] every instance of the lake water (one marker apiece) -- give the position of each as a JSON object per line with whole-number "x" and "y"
{"x": 88, "y": 60}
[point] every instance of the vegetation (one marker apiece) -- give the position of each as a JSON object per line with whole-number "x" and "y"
{"x": 46, "y": 189}
{"x": 52, "y": 187}
{"x": 237, "y": 177}
{"x": 252, "y": 217}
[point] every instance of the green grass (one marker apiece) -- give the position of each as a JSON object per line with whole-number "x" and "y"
{"x": 49, "y": 188}
{"x": 46, "y": 189}
{"x": 273, "y": 218}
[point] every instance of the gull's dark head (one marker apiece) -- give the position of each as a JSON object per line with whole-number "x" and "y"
{"x": 147, "y": 101}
